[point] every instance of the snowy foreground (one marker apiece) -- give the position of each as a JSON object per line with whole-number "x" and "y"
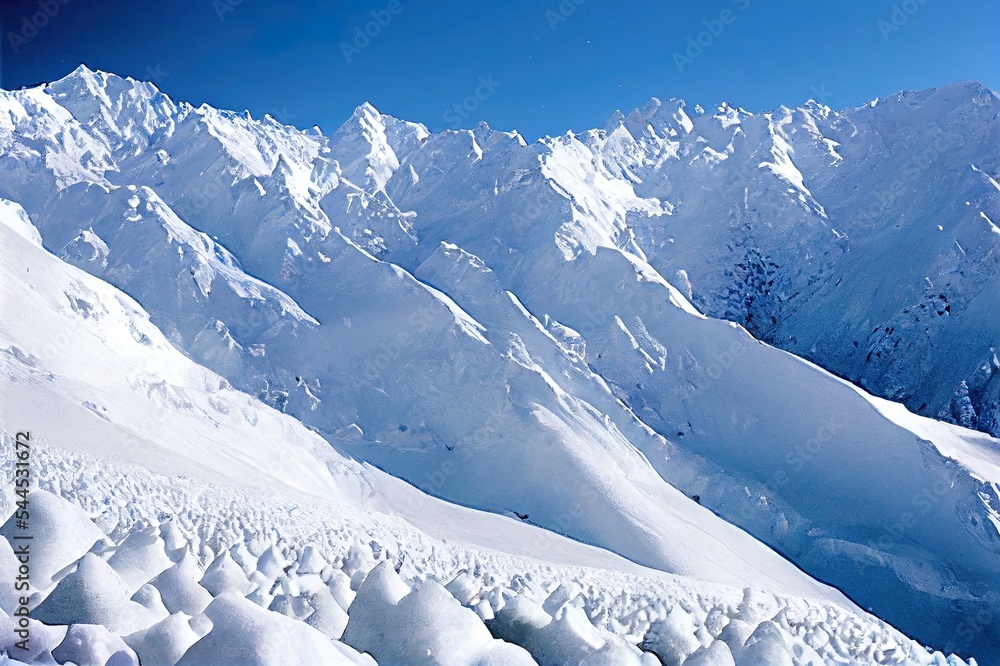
{"x": 163, "y": 593}
{"x": 159, "y": 595}
{"x": 531, "y": 378}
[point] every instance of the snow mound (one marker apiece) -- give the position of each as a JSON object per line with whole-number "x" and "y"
{"x": 94, "y": 594}
{"x": 244, "y": 634}
{"x": 89, "y": 644}
{"x": 179, "y": 588}
{"x": 425, "y": 625}
{"x": 225, "y": 575}
{"x": 567, "y": 638}
{"x": 164, "y": 643}
{"x": 61, "y": 533}
{"x": 140, "y": 558}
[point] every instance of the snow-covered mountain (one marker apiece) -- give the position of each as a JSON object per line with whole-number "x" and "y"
{"x": 187, "y": 496}
{"x": 540, "y": 330}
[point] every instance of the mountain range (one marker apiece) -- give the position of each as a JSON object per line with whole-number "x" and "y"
{"x": 750, "y": 350}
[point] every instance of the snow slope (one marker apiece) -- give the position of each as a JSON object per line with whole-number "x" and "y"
{"x": 202, "y": 496}
{"x": 862, "y": 239}
{"x": 510, "y": 326}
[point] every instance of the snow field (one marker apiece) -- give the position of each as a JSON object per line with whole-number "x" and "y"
{"x": 182, "y": 590}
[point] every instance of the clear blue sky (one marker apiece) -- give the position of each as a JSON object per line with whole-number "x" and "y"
{"x": 550, "y": 66}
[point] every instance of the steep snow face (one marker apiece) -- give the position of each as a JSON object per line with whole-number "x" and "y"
{"x": 861, "y": 239}
{"x": 600, "y": 202}
{"x": 363, "y": 148}
{"x": 135, "y": 396}
{"x": 42, "y": 140}
{"x": 126, "y": 114}
{"x": 196, "y": 554}
{"x": 496, "y": 322}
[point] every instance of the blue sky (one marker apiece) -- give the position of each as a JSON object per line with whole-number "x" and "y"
{"x": 539, "y": 66}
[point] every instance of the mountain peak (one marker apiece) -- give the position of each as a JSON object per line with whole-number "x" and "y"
{"x": 83, "y": 71}
{"x": 366, "y": 119}
{"x": 97, "y": 78}
{"x": 100, "y": 84}
{"x": 973, "y": 86}
{"x": 366, "y": 109}
{"x": 574, "y": 353}
{"x": 974, "y": 89}
{"x": 83, "y": 76}
{"x": 661, "y": 113}
{"x": 614, "y": 121}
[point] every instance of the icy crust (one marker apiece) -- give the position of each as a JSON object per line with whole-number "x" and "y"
{"x": 238, "y": 589}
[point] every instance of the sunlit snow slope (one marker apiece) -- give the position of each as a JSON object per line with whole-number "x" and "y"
{"x": 202, "y": 495}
